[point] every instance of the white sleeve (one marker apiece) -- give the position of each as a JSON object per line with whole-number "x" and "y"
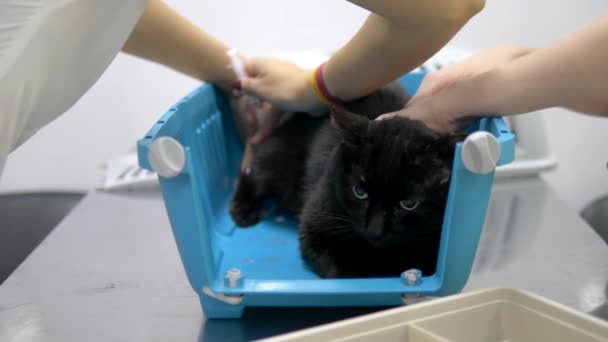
{"x": 51, "y": 53}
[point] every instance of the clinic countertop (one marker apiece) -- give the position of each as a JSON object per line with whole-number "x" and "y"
{"x": 110, "y": 272}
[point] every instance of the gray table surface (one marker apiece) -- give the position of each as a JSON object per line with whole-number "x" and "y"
{"x": 110, "y": 272}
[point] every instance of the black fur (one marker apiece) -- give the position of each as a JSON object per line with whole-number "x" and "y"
{"x": 310, "y": 168}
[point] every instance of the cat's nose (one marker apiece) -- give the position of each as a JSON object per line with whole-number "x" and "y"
{"x": 374, "y": 232}
{"x": 375, "y": 226}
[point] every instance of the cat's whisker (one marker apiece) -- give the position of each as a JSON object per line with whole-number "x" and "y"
{"x": 328, "y": 220}
{"x": 323, "y": 222}
{"x": 336, "y": 227}
{"x": 325, "y": 216}
{"x": 341, "y": 234}
{"x": 327, "y": 227}
{"x": 324, "y": 212}
{"x": 346, "y": 236}
{"x": 330, "y": 228}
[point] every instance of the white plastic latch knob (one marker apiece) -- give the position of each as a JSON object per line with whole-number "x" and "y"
{"x": 480, "y": 152}
{"x": 167, "y": 157}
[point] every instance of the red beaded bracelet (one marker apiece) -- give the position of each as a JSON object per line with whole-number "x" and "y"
{"x": 318, "y": 85}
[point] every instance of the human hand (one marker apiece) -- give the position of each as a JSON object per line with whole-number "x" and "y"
{"x": 260, "y": 117}
{"x": 446, "y": 98}
{"x": 434, "y": 108}
{"x": 273, "y": 119}
{"x": 281, "y": 83}
{"x": 478, "y": 63}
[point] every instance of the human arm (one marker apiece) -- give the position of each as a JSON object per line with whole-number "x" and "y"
{"x": 571, "y": 73}
{"x": 163, "y": 36}
{"x": 396, "y": 37}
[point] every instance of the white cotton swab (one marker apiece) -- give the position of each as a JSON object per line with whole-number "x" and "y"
{"x": 237, "y": 64}
{"x": 239, "y": 70}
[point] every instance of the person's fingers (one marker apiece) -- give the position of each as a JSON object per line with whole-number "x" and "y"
{"x": 435, "y": 122}
{"x": 270, "y": 118}
{"x": 281, "y": 83}
{"x": 255, "y": 66}
{"x": 260, "y": 134}
{"x": 273, "y": 121}
{"x": 254, "y": 86}
{"x": 256, "y": 80}
{"x": 236, "y": 93}
{"x": 283, "y": 118}
{"x": 270, "y": 124}
{"x": 387, "y": 116}
{"x": 250, "y": 111}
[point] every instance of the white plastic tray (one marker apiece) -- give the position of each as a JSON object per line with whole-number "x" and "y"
{"x": 489, "y": 315}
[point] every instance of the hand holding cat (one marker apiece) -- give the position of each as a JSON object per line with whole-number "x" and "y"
{"x": 443, "y": 97}
{"x": 283, "y": 84}
{"x": 569, "y": 73}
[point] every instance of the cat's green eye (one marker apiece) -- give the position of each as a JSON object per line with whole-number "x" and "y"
{"x": 409, "y": 204}
{"x": 359, "y": 192}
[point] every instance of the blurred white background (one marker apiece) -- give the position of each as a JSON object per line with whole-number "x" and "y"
{"x": 132, "y": 93}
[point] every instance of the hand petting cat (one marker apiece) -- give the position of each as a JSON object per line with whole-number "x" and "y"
{"x": 284, "y": 89}
{"x": 437, "y": 101}
{"x": 569, "y": 73}
{"x": 282, "y": 83}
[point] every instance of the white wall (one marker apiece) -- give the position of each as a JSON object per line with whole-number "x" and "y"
{"x": 132, "y": 93}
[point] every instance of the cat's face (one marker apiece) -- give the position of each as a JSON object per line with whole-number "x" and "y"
{"x": 391, "y": 177}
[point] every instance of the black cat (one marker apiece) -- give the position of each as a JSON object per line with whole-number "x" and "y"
{"x": 370, "y": 195}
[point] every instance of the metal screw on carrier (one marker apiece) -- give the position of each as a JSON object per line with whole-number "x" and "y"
{"x": 412, "y": 276}
{"x": 233, "y": 277}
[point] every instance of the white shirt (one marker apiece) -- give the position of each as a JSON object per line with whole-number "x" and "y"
{"x": 51, "y": 53}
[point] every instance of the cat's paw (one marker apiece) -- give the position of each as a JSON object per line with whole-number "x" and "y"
{"x": 245, "y": 207}
{"x": 245, "y": 213}
{"x": 323, "y": 264}
{"x": 330, "y": 272}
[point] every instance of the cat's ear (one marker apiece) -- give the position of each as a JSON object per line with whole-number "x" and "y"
{"x": 452, "y": 139}
{"x": 446, "y": 144}
{"x": 353, "y": 127}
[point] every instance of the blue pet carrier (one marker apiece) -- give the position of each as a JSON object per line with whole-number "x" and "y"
{"x": 196, "y": 151}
